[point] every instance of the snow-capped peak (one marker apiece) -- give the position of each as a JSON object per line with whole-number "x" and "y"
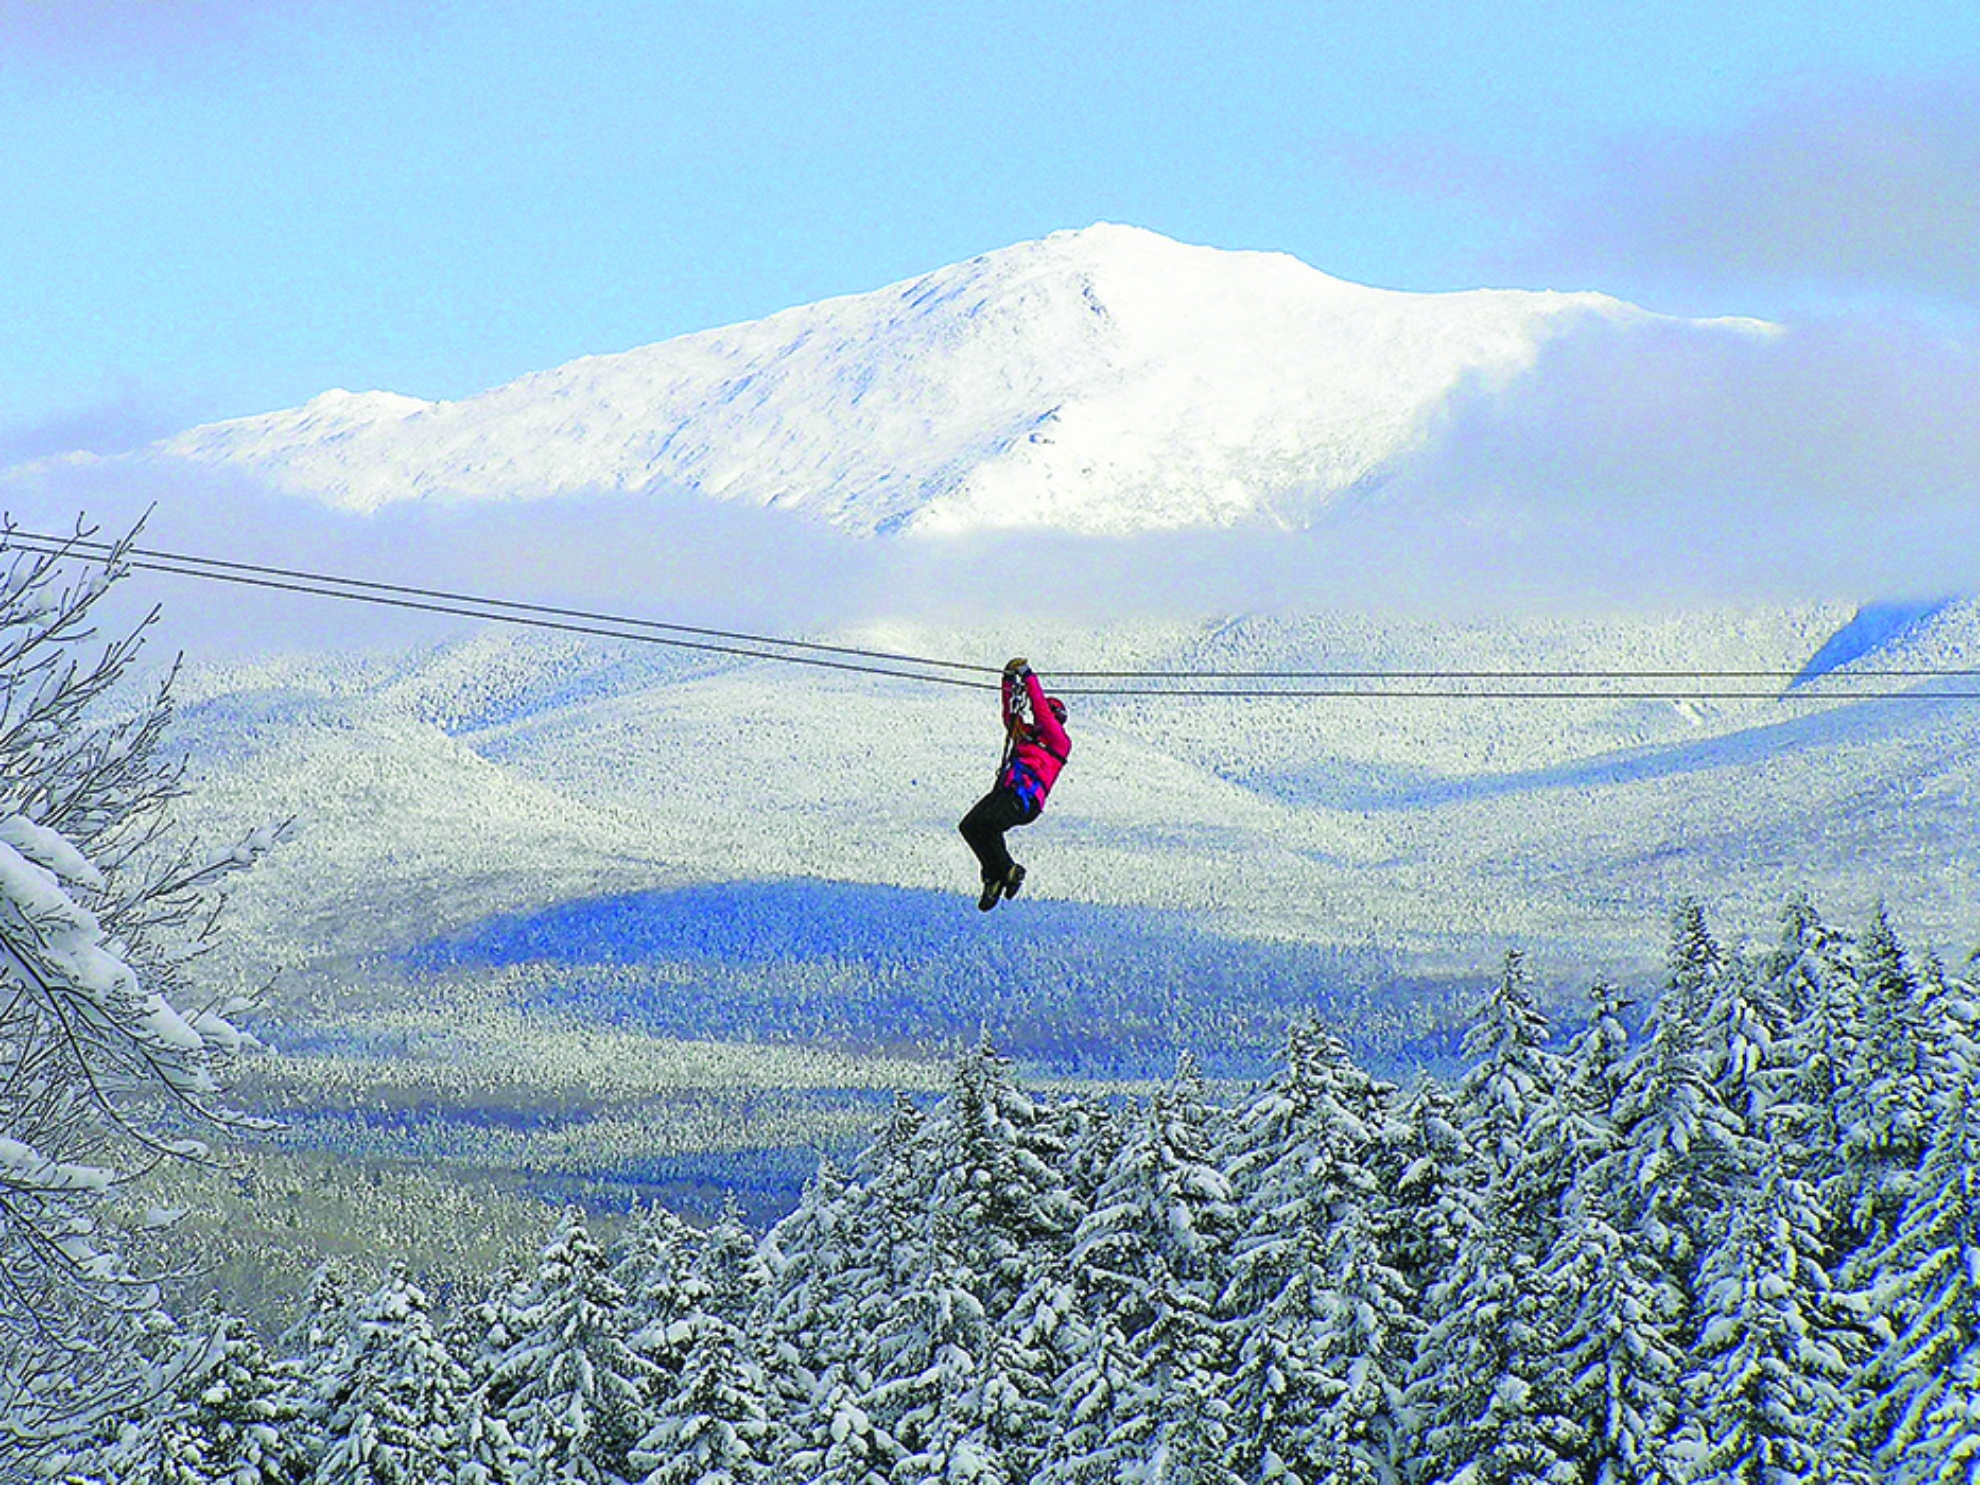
{"x": 1108, "y": 380}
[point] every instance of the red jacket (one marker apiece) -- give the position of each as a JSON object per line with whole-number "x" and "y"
{"x": 1040, "y": 750}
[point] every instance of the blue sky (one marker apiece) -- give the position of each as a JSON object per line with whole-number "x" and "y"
{"x": 215, "y": 207}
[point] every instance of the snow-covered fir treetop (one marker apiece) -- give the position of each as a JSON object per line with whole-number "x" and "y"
{"x": 1103, "y": 381}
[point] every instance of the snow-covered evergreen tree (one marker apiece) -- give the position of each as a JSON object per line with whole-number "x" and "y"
{"x": 668, "y": 1314}
{"x": 1040, "y": 1344}
{"x": 1364, "y": 1340}
{"x": 1591, "y": 1072}
{"x": 1424, "y": 1166}
{"x": 1806, "y": 959}
{"x": 1093, "y": 1135}
{"x": 1163, "y": 1198}
{"x": 887, "y": 1224}
{"x": 726, "y": 1278}
{"x": 1886, "y": 1101}
{"x": 931, "y": 1357}
{"x": 1020, "y": 1380}
{"x": 1002, "y": 1162}
{"x": 1298, "y": 1157}
{"x": 1473, "y": 1409}
{"x": 1683, "y": 1153}
{"x": 804, "y": 1327}
{"x": 845, "y": 1448}
{"x": 1151, "y": 1258}
{"x": 1187, "y": 1430}
{"x": 1477, "y": 1395}
{"x": 1512, "y": 1073}
{"x": 1508, "y": 1100}
{"x": 573, "y": 1391}
{"x": 398, "y": 1409}
{"x": 324, "y": 1328}
{"x": 1744, "y": 1037}
{"x": 1695, "y": 958}
{"x": 1946, "y": 1450}
{"x": 713, "y": 1428}
{"x": 1774, "y": 1347}
{"x": 316, "y": 1347}
{"x": 651, "y": 1262}
{"x": 226, "y": 1415}
{"x": 1102, "y": 1395}
{"x": 1618, "y": 1357}
{"x": 1281, "y": 1383}
{"x": 1949, "y": 1006}
{"x": 158, "y": 1443}
{"x": 1298, "y": 1154}
{"x": 714, "y": 1413}
{"x": 483, "y": 1332}
{"x": 1811, "y": 975}
{"x": 1926, "y": 1289}
{"x": 250, "y": 1412}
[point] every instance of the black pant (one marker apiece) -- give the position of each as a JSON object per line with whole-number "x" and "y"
{"x": 984, "y": 826}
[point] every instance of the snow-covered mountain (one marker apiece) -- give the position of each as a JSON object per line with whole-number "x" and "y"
{"x": 1104, "y": 381}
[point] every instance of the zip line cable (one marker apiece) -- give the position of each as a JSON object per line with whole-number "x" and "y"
{"x": 367, "y": 584}
{"x": 886, "y": 663}
{"x": 481, "y": 602}
{"x": 309, "y": 584}
{"x": 1918, "y": 673}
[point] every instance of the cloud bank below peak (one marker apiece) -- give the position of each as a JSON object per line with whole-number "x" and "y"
{"x": 1837, "y": 460}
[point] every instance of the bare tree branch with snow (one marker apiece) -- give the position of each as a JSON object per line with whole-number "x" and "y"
{"x": 108, "y": 1064}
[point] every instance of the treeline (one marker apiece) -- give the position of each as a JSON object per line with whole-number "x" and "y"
{"x": 1739, "y": 1245}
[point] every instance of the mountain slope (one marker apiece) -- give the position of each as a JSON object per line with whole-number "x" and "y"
{"x": 1104, "y": 381}
{"x": 509, "y": 773}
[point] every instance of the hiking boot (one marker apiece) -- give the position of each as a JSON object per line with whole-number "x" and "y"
{"x": 992, "y": 890}
{"x": 1013, "y": 879}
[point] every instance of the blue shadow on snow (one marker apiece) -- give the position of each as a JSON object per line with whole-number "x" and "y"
{"x": 1069, "y": 987}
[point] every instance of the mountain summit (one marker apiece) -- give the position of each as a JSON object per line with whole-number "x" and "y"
{"x": 1104, "y": 381}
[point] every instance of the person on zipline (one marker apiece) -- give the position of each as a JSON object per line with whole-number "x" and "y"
{"x": 1035, "y": 749}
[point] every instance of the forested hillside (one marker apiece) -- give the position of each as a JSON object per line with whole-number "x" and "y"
{"x": 1737, "y": 1239}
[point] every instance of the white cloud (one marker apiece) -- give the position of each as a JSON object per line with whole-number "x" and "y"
{"x": 1836, "y": 460}
{"x": 678, "y": 559}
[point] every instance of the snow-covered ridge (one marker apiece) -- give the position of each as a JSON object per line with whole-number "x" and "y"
{"x": 1104, "y": 381}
